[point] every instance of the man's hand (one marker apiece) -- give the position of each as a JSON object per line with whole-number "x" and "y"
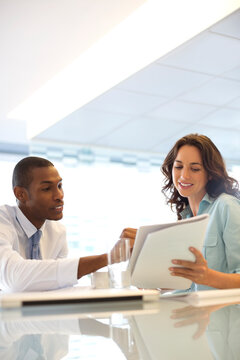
{"x": 90, "y": 264}
{"x": 120, "y": 251}
{"x": 129, "y": 233}
{"x": 196, "y": 271}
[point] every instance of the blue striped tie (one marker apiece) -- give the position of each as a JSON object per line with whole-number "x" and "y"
{"x": 34, "y": 245}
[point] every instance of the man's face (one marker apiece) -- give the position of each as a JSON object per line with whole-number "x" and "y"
{"x": 44, "y": 196}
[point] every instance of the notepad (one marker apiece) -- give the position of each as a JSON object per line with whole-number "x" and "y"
{"x": 156, "y": 245}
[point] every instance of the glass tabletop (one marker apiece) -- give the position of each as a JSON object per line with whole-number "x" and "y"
{"x": 167, "y": 329}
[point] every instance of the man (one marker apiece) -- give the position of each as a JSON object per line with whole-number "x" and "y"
{"x": 27, "y": 263}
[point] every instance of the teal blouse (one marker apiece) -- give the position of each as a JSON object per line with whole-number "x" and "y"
{"x": 222, "y": 242}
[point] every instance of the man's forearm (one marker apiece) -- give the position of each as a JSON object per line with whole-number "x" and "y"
{"x": 89, "y": 264}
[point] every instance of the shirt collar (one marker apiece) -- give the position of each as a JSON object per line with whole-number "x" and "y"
{"x": 187, "y": 211}
{"x": 25, "y": 224}
{"x": 207, "y": 199}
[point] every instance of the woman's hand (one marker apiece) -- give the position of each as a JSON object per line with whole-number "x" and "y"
{"x": 196, "y": 271}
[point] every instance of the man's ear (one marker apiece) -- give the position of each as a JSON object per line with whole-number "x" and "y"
{"x": 20, "y": 194}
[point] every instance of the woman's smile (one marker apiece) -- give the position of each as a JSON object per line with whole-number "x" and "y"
{"x": 184, "y": 185}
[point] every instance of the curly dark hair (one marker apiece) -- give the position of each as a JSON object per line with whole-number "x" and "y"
{"x": 219, "y": 182}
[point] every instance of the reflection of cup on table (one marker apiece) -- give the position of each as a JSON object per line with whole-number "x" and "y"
{"x": 118, "y": 265}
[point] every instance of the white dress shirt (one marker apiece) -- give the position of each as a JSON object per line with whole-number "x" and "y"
{"x": 17, "y": 272}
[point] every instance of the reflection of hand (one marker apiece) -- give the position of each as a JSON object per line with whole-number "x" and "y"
{"x": 196, "y": 271}
{"x": 192, "y": 315}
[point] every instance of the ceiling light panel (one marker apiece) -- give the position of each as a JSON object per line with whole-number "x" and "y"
{"x": 224, "y": 118}
{"x": 235, "y": 103}
{"x": 182, "y": 111}
{"x": 164, "y": 81}
{"x": 126, "y": 102}
{"x": 230, "y": 26}
{"x": 84, "y": 127}
{"x": 141, "y": 134}
{"x": 216, "y": 92}
{"x": 233, "y": 74}
{"x": 207, "y": 53}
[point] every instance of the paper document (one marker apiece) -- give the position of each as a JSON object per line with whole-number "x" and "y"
{"x": 156, "y": 245}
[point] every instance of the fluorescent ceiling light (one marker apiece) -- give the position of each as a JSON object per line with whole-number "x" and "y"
{"x": 154, "y": 29}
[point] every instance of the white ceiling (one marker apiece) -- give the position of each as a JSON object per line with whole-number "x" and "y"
{"x": 195, "y": 88}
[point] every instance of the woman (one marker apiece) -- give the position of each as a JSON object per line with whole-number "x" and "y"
{"x": 196, "y": 182}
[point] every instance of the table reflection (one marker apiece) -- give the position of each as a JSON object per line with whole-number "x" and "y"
{"x": 168, "y": 330}
{"x": 219, "y": 323}
{"x": 49, "y": 339}
{"x": 223, "y": 333}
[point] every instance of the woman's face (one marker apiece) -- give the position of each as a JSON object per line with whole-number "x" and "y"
{"x": 189, "y": 176}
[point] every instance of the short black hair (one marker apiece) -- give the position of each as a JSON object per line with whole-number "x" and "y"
{"x": 22, "y": 173}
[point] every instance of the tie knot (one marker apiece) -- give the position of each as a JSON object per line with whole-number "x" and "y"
{"x": 36, "y": 237}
